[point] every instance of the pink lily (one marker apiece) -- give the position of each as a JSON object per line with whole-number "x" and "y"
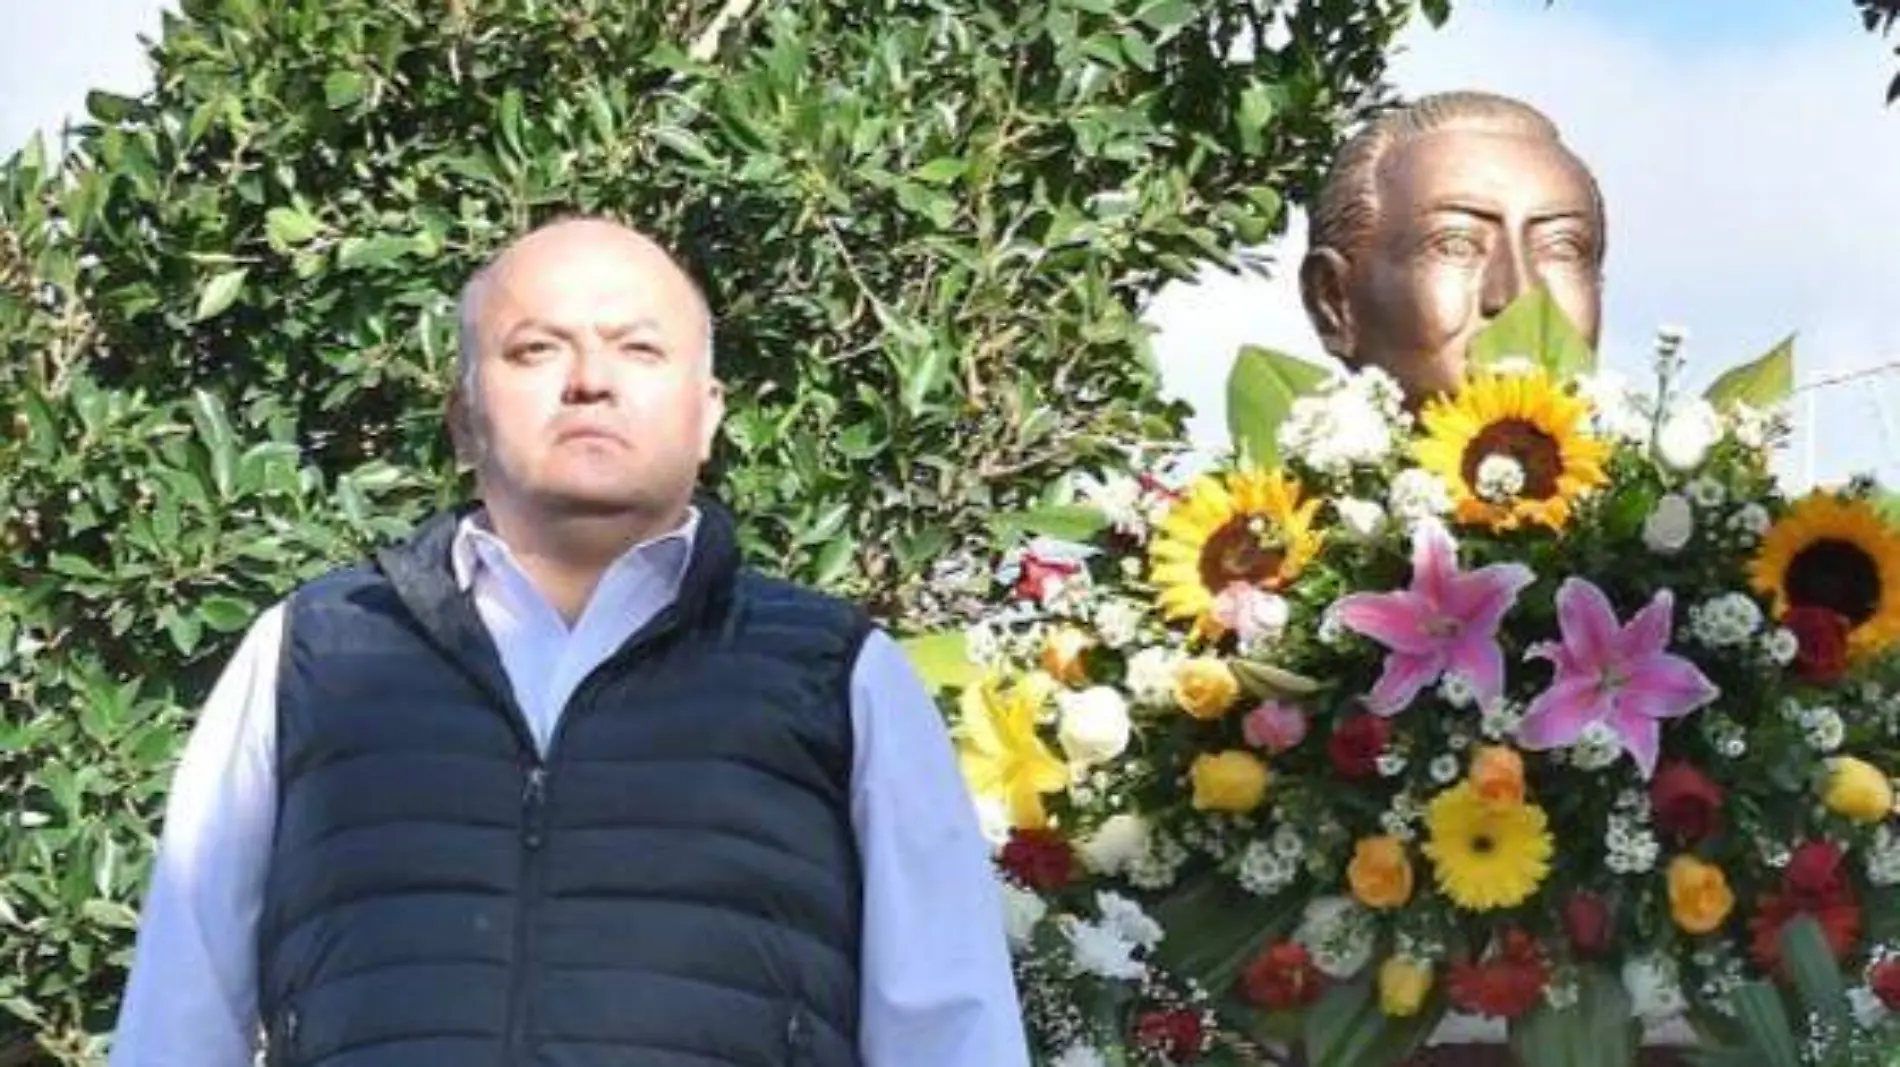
{"x": 1447, "y": 621}
{"x": 1621, "y": 676}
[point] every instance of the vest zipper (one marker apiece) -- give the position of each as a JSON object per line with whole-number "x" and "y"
{"x": 533, "y": 836}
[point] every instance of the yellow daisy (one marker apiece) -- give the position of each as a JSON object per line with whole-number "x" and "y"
{"x": 1000, "y": 752}
{"x": 1837, "y": 553}
{"x": 1249, "y": 528}
{"x": 1487, "y": 854}
{"x": 1513, "y": 449}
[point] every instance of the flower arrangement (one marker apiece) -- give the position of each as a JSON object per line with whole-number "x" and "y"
{"x": 1544, "y": 704}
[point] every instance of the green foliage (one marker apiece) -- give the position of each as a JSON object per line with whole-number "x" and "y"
{"x": 1533, "y": 327}
{"x": 1762, "y": 383}
{"x": 927, "y": 230}
{"x": 1261, "y": 390}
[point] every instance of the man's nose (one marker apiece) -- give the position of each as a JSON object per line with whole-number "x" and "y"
{"x": 1506, "y": 276}
{"x": 588, "y": 379}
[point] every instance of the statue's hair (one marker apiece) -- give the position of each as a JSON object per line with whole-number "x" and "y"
{"x": 1347, "y": 209}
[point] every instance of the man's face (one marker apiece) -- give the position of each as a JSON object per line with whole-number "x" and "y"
{"x": 1468, "y": 221}
{"x": 592, "y": 391}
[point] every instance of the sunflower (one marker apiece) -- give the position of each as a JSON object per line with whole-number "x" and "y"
{"x": 1487, "y": 854}
{"x": 1249, "y": 528}
{"x": 1836, "y": 553}
{"x": 1000, "y": 752}
{"x": 1513, "y": 449}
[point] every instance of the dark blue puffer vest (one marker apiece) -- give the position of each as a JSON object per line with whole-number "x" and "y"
{"x": 675, "y": 885}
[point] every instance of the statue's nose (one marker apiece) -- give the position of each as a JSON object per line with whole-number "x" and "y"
{"x": 1506, "y": 276}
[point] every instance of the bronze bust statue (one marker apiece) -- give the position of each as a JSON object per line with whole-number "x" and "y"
{"x": 1434, "y": 217}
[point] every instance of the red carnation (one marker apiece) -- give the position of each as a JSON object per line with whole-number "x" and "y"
{"x": 1040, "y": 578}
{"x": 1839, "y": 921}
{"x": 1687, "y": 802}
{"x": 1283, "y": 977}
{"x": 1821, "y": 636}
{"x": 1884, "y": 980}
{"x": 1356, "y": 745}
{"x": 1815, "y": 877}
{"x": 1505, "y": 986}
{"x": 1039, "y": 859}
{"x": 1175, "y": 1034}
{"x": 1588, "y": 921}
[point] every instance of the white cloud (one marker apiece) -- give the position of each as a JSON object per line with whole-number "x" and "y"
{"x": 1749, "y": 185}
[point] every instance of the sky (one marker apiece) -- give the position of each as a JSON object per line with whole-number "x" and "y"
{"x": 1743, "y": 146}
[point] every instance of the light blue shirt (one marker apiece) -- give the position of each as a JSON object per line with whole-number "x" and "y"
{"x": 937, "y": 988}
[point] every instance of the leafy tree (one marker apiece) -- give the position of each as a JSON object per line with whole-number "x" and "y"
{"x": 928, "y": 229}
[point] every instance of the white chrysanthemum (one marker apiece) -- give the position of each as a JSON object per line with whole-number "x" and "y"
{"x": 1707, "y": 492}
{"x": 1456, "y": 689}
{"x": 1118, "y": 623}
{"x": 1079, "y": 1055}
{"x": 1118, "y": 498}
{"x": 1883, "y": 858}
{"x": 1339, "y": 935}
{"x": 1868, "y": 1010}
{"x": 1151, "y": 677}
{"x": 1688, "y": 432}
{"x": 1362, "y": 518}
{"x": 1725, "y": 621}
{"x": 1391, "y": 764}
{"x": 1101, "y": 951}
{"x": 1499, "y": 720}
{"x": 1632, "y": 848}
{"x": 1126, "y": 918}
{"x": 1597, "y": 747}
{"x": 1782, "y": 646}
{"x": 1826, "y": 732}
{"x": 1093, "y": 725}
{"x": 1022, "y": 912}
{"x": 993, "y": 819}
{"x": 1118, "y": 842}
{"x": 1157, "y": 867}
{"x": 1444, "y": 769}
{"x": 1263, "y": 871}
{"x": 1500, "y": 478}
{"x": 981, "y": 644}
{"x": 1670, "y": 526}
{"x": 1615, "y": 407}
{"x": 1655, "y": 987}
{"x": 1417, "y": 495}
{"x": 1751, "y": 426}
{"x": 1346, "y": 425}
{"x": 1751, "y": 520}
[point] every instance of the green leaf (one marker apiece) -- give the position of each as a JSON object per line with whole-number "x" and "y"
{"x": 1267, "y": 682}
{"x": 1214, "y": 928}
{"x": 686, "y": 143}
{"x": 287, "y": 227}
{"x": 941, "y": 171}
{"x": 219, "y": 294}
{"x": 924, "y": 375}
{"x": 1347, "y": 1028}
{"x": 942, "y": 660}
{"x": 1062, "y": 522}
{"x": 1163, "y": 16}
{"x": 224, "y": 614}
{"x": 1436, "y": 11}
{"x": 1817, "y": 976}
{"x": 343, "y": 88}
{"x": 1771, "y": 1040}
{"x": 214, "y": 430}
{"x": 1533, "y": 327}
{"x": 1261, "y": 390}
{"x": 834, "y": 560}
{"x": 111, "y": 108}
{"x": 1763, "y": 383}
{"x": 1596, "y": 1031}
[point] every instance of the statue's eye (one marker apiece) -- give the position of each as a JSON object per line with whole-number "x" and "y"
{"x": 1565, "y": 248}
{"x": 1457, "y": 244}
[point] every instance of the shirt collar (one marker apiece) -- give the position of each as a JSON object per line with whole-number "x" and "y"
{"x": 477, "y": 547}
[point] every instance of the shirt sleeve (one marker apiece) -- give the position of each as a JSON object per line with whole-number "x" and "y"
{"x": 191, "y": 1000}
{"x": 937, "y": 985}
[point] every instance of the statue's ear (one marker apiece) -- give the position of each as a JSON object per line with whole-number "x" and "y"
{"x": 1323, "y": 276}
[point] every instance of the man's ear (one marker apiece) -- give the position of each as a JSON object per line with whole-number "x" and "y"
{"x": 1323, "y": 277}
{"x": 460, "y": 417}
{"x": 713, "y": 413}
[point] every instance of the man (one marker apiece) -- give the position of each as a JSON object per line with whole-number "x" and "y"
{"x": 1433, "y": 219}
{"x": 558, "y": 781}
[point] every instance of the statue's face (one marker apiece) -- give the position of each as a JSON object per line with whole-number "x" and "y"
{"x": 1468, "y": 221}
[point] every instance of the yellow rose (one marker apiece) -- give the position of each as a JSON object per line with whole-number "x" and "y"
{"x": 1233, "y": 781}
{"x": 1062, "y": 650}
{"x": 1858, "y": 790}
{"x": 1699, "y": 897}
{"x": 1403, "y": 984}
{"x": 1380, "y": 873}
{"x": 1205, "y": 687}
{"x": 1497, "y": 773}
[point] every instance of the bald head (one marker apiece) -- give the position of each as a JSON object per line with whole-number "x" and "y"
{"x": 564, "y": 240}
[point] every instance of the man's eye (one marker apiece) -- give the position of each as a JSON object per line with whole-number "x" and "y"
{"x": 1566, "y": 248}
